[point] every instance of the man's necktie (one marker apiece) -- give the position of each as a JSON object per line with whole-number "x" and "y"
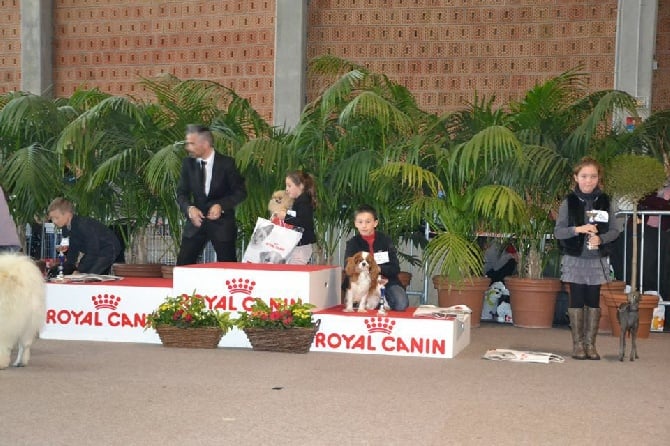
{"x": 203, "y": 172}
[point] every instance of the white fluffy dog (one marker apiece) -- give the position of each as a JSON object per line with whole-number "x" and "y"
{"x": 22, "y": 307}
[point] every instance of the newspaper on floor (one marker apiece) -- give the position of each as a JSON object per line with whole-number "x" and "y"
{"x": 503, "y": 354}
{"x": 434, "y": 312}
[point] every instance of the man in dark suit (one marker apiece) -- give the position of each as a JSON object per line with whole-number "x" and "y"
{"x": 207, "y": 195}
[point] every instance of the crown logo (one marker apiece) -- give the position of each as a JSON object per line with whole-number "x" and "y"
{"x": 109, "y": 301}
{"x": 380, "y": 324}
{"x": 240, "y": 285}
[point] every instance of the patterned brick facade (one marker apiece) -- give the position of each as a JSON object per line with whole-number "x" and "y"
{"x": 10, "y": 46}
{"x": 112, "y": 44}
{"x": 446, "y": 50}
{"x": 442, "y": 50}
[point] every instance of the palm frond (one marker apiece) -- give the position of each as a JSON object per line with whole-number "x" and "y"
{"x": 371, "y": 105}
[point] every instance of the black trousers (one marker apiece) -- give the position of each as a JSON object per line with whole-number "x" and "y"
{"x": 191, "y": 248}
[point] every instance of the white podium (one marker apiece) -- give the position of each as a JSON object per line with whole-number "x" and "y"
{"x": 397, "y": 333}
{"x": 233, "y": 287}
{"x": 107, "y": 311}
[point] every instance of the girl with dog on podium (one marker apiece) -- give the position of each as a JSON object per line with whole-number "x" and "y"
{"x": 585, "y": 228}
{"x": 384, "y": 251}
{"x": 300, "y": 186}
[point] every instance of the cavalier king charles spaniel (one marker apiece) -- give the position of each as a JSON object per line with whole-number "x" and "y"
{"x": 364, "y": 282}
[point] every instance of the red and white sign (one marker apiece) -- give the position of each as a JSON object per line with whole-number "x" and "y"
{"x": 396, "y": 333}
{"x": 104, "y": 311}
{"x": 234, "y": 286}
{"x": 116, "y": 311}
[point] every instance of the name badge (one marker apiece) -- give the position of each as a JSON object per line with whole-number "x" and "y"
{"x": 602, "y": 216}
{"x": 381, "y": 257}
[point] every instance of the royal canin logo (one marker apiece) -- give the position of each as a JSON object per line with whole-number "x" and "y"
{"x": 106, "y": 314}
{"x": 109, "y": 301}
{"x": 243, "y": 286}
{"x": 239, "y": 297}
{"x": 380, "y": 325}
{"x": 377, "y": 335}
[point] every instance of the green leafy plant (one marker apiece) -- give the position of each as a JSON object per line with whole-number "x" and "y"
{"x": 188, "y": 312}
{"x": 631, "y": 177}
{"x": 278, "y": 314}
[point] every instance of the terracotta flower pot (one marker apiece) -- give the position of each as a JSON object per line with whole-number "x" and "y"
{"x": 468, "y": 292}
{"x": 606, "y": 289}
{"x": 533, "y": 301}
{"x": 647, "y": 304}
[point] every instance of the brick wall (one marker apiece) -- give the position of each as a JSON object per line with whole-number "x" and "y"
{"x": 112, "y": 44}
{"x": 10, "y": 46}
{"x": 443, "y": 50}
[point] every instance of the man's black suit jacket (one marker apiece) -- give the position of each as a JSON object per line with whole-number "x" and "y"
{"x": 227, "y": 189}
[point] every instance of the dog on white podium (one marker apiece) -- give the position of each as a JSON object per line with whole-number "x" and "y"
{"x": 22, "y": 307}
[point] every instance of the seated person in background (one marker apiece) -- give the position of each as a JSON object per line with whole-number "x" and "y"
{"x": 658, "y": 201}
{"x": 96, "y": 242}
{"x": 499, "y": 261}
{"x": 657, "y": 235}
{"x": 381, "y": 246}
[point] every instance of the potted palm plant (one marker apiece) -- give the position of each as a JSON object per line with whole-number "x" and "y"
{"x": 29, "y": 164}
{"x": 631, "y": 177}
{"x": 455, "y": 186}
{"x": 131, "y": 151}
{"x": 557, "y": 122}
{"x": 360, "y": 122}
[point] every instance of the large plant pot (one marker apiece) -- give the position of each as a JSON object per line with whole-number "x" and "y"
{"x": 533, "y": 301}
{"x": 647, "y": 304}
{"x": 469, "y": 292}
{"x": 607, "y": 289}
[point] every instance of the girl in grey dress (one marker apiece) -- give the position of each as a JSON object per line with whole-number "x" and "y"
{"x": 585, "y": 229}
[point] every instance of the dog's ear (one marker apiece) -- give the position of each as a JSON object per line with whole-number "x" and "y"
{"x": 350, "y": 267}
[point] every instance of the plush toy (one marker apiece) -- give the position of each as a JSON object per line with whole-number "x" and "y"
{"x": 496, "y": 294}
{"x": 505, "y": 313}
{"x": 280, "y": 201}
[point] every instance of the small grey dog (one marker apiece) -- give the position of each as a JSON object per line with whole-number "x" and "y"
{"x": 629, "y": 320}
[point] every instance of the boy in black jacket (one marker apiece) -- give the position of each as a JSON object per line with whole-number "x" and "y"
{"x": 381, "y": 246}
